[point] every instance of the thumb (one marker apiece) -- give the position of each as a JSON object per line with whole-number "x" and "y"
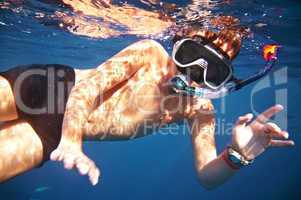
{"x": 242, "y": 120}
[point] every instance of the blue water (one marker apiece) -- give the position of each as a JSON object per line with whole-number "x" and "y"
{"x": 161, "y": 166}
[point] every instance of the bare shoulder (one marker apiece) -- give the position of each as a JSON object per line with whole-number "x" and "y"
{"x": 146, "y": 54}
{"x": 139, "y": 50}
{"x": 146, "y": 47}
{"x": 148, "y": 43}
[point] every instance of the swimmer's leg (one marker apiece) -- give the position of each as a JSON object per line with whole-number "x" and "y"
{"x": 7, "y": 101}
{"x": 21, "y": 149}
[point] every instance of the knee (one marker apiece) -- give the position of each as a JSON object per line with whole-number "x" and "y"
{"x": 7, "y": 101}
{"x": 4, "y": 82}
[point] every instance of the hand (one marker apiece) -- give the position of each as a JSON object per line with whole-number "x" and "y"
{"x": 73, "y": 157}
{"x": 253, "y": 139}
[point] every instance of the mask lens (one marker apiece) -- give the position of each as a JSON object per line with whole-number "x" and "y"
{"x": 217, "y": 72}
{"x": 196, "y": 73}
{"x": 188, "y": 52}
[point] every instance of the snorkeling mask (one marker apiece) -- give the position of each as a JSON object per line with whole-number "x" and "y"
{"x": 216, "y": 69}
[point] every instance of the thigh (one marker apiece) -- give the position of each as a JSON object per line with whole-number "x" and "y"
{"x": 7, "y": 101}
{"x": 21, "y": 149}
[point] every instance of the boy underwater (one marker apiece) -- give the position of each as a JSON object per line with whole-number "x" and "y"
{"x": 138, "y": 88}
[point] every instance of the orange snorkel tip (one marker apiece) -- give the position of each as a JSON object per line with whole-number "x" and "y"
{"x": 270, "y": 52}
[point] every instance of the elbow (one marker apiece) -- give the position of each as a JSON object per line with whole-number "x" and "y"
{"x": 206, "y": 184}
{"x": 206, "y": 181}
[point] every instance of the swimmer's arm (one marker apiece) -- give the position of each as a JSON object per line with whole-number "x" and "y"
{"x": 211, "y": 169}
{"x": 250, "y": 137}
{"x": 86, "y": 95}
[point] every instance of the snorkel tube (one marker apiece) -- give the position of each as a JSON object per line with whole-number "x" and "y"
{"x": 181, "y": 84}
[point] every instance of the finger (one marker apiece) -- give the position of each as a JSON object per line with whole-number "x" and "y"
{"x": 242, "y": 120}
{"x": 82, "y": 165}
{"x": 83, "y": 168}
{"x": 94, "y": 175}
{"x": 69, "y": 161}
{"x": 274, "y": 131}
{"x": 274, "y": 126}
{"x": 54, "y": 155}
{"x": 282, "y": 143}
{"x": 61, "y": 156}
{"x": 266, "y": 115}
{"x": 57, "y": 155}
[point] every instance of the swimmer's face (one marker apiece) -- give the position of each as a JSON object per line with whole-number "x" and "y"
{"x": 202, "y": 62}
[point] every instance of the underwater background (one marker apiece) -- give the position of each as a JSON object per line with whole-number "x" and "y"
{"x": 161, "y": 166}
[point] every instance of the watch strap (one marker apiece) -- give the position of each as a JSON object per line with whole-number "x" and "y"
{"x": 225, "y": 157}
{"x": 230, "y": 154}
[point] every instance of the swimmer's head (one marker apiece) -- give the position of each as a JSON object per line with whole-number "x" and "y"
{"x": 204, "y": 60}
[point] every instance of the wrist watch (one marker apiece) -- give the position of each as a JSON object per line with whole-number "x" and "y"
{"x": 234, "y": 159}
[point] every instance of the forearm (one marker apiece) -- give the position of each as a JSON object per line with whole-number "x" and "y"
{"x": 81, "y": 102}
{"x": 73, "y": 126}
{"x": 212, "y": 169}
{"x": 215, "y": 172}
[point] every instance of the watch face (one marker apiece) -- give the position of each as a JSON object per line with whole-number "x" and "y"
{"x": 235, "y": 160}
